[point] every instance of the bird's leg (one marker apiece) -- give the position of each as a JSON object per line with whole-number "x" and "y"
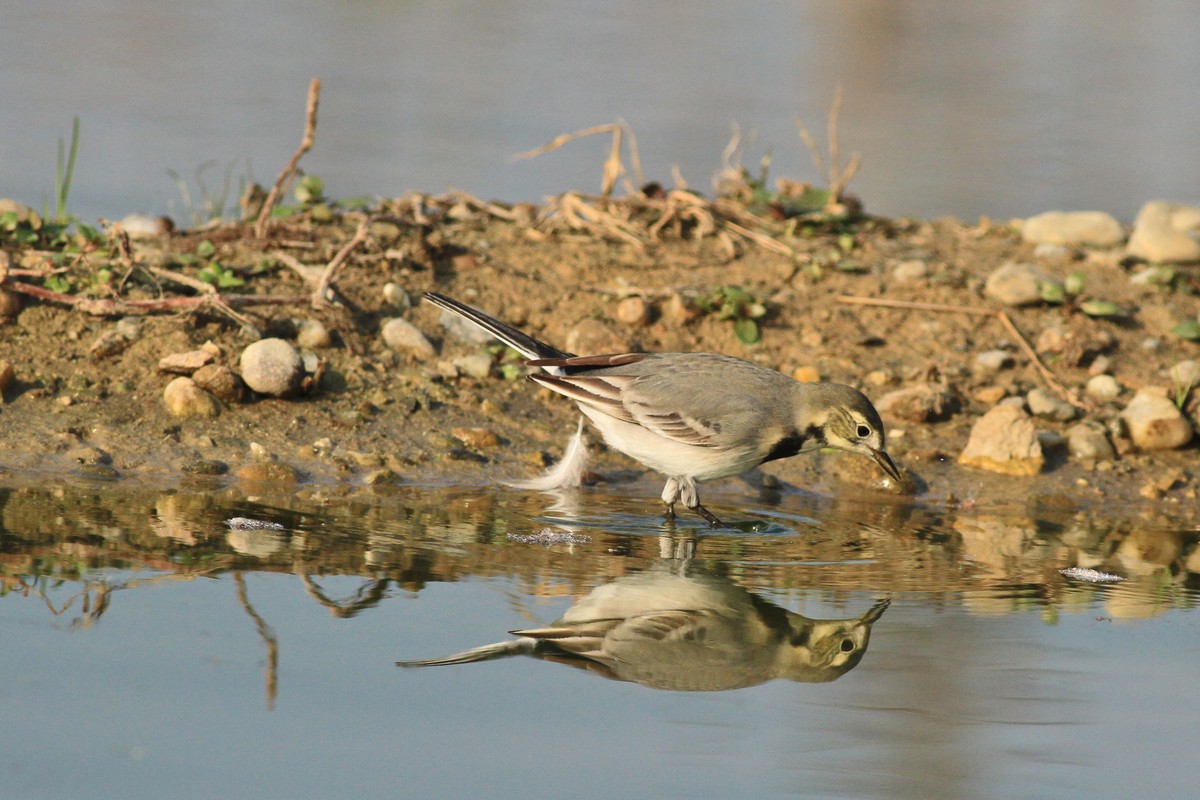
{"x": 690, "y": 495}
{"x": 713, "y": 521}
{"x": 670, "y": 496}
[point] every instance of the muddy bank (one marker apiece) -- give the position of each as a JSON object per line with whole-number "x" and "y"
{"x": 963, "y": 319}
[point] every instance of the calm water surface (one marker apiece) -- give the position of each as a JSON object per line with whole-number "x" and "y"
{"x": 1004, "y": 109}
{"x": 151, "y": 650}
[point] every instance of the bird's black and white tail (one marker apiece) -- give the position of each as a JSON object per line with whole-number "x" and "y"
{"x": 526, "y": 345}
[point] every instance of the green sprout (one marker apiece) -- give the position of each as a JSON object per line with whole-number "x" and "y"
{"x": 738, "y": 305}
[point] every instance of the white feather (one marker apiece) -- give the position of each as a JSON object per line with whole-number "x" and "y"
{"x": 567, "y": 473}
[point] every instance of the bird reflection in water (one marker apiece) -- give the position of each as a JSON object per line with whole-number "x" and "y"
{"x": 682, "y": 627}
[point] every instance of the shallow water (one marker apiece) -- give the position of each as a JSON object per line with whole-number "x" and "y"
{"x": 147, "y": 644}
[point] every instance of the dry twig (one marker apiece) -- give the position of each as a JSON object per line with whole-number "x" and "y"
{"x": 310, "y": 134}
{"x": 839, "y": 176}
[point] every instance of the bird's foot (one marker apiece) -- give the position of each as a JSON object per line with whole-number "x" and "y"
{"x": 713, "y": 521}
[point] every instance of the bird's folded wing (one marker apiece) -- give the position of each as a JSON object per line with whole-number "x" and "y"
{"x": 618, "y": 397}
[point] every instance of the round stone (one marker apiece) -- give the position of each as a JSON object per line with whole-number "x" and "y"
{"x": 272, "y": 367}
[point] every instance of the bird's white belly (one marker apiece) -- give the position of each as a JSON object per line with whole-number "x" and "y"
{"x": 669, "y": 456}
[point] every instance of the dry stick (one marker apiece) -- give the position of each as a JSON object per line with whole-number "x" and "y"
{"x": 319, "y": 295}
{"x": 109, "y": 308}
{"x": 1005, "y": 320}
{"x": 310, "y": 134}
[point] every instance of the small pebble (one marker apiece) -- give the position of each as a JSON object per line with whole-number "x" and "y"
{"x": 477, "y": 365}
{"x": 478, "y": 438}
{"x": 1157, "y": 237}
{"x": 403, "y": 337}
{"x": 1043, "y": 404}
{"x": 912, "y": 271}
{"x": 185, "y": 363}
{"x": 1015, "y": 284}
{"x": 268, "y": 472}
{"x": 806, "y": 375}
{"x": 1103, "y": 387}
{"x": 634, "y": 311}
{"x": 272, "y": 367}
{"x": 184, "y": 398}
{"x": 394, "y": 295}
{"x": 1088, "y": 443}
{"x": 313, "y": 335}
{"x": 990, "y": 362}
{"x": 221, "y": 382}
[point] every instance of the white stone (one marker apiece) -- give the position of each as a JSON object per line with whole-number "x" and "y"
{"x": 272, "y": 367}
{"x": 1086, "y": 443}
{"x": 1015, "y": 284}
{"x": 1158, "y": 235}
{"x": 184, "y": 398}
{"x": 1043, "y": 404}
{"x": 1004, "y": 440}
{"x": 1155, "y": 423}
{"x": 1103, "y": 387}
{"x": 1073, "y": 228}
{"x": 912, "y": 271}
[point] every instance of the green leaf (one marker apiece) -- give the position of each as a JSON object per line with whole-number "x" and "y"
{"x": 1052, "y": 292}
{"x": 57, "y": 283}
{"x": 1189, "y": 330}
{"x": 511, "y": 372}
{"x": 747, "y": 331}
{"x": 1100, "y": 308}
{"x": 1074, "y": 283}
{"x": 206, "y": 249}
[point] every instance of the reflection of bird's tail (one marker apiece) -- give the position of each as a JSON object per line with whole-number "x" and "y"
{"x": 515, "y": 647}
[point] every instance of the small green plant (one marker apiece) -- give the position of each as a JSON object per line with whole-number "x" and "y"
{"x": 739, "y": 306}
{"x": 63, "y": 174}
{"x": 1068, "y": 294}
{"x": 1181, "y": 386}
{"x": 220, "y": 276}
{"x": 1188, "y": 330}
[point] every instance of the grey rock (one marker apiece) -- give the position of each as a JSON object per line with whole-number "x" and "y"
{"x": 404, "y": 337}
{"x": 1088, "y": 443}
{"x": 1043, "y": 404}
{"x": 1016, "y": 284}
{"x": 1073, "y": 228}
{"x": 1165, "y": 232}
{"x": 924, "y": 402}
{"x": 272, "y": 367}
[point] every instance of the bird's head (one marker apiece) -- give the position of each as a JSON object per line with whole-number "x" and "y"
{"x": 824, "y": 650}
{"x": 851, "y": 423}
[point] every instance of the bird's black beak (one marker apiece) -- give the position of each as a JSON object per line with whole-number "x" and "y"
{"x": 885, "y": 463}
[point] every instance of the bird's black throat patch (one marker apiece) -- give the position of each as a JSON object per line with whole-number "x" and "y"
{"x": 794, "y": 442}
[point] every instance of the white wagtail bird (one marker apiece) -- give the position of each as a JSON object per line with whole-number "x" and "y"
{"x": 681, "y": 627}
{"x": 697, "y": 416}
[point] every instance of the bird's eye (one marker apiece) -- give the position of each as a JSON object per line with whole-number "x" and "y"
{"x": 848, "y": 644}
{"x": 863, "y": 431}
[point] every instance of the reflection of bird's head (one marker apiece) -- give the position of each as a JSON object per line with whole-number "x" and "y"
{"x": 824, "y": 650}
